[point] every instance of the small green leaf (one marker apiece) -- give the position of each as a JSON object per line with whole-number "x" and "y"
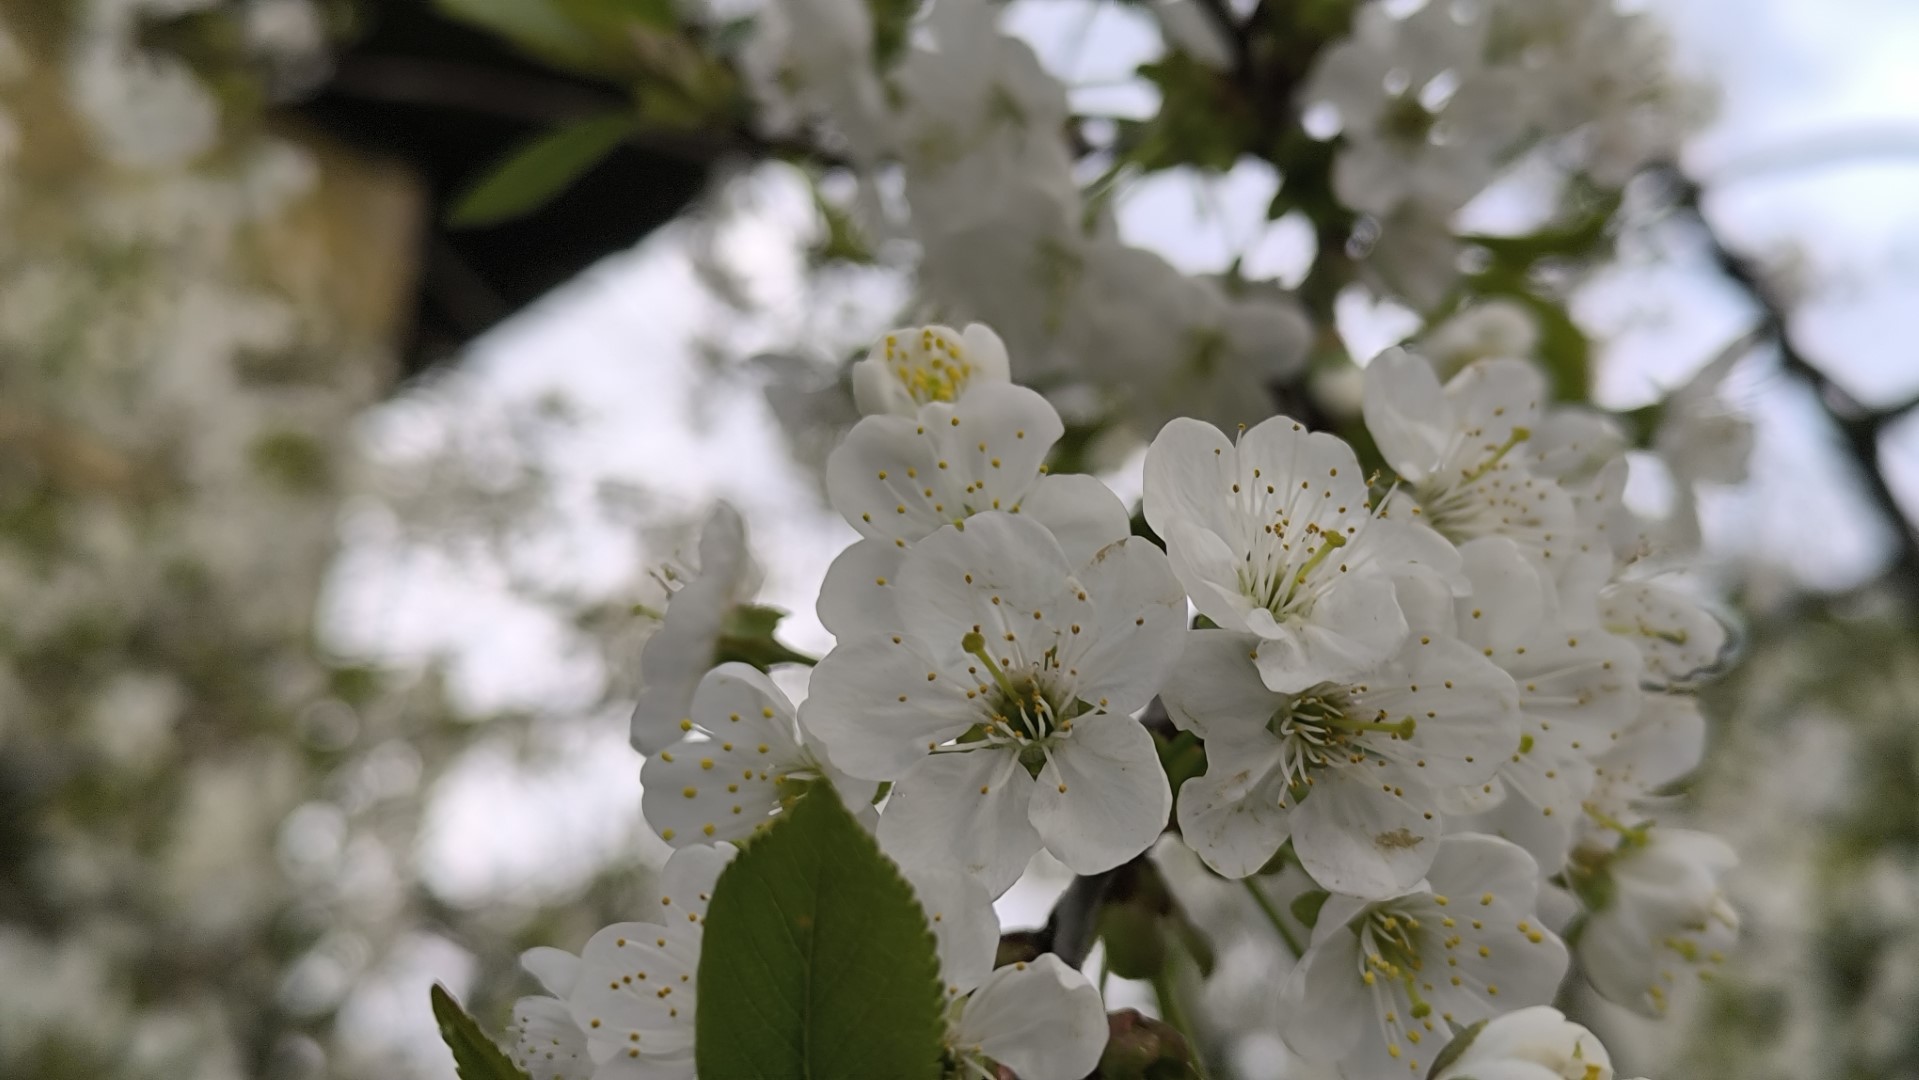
{"x": 535, "y": 173}
{"x": 608, "y": 18}
{"x": 1305, "y": 907}
{"x": 1455, "y": 1049}
{"x": 474, "y": 1055}
{"x": 542, "y": 30}
{"x": 817, "y": 963}
{"x": 891, "y": 20}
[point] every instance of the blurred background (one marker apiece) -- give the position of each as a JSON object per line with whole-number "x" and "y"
{"x": 331, "y": 494}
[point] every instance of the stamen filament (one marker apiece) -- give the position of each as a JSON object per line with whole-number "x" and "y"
{"x": 1519, "y": 435}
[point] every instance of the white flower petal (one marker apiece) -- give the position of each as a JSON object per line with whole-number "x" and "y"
{"x": 1206, "y": 567}
{"x": 682, "y": 650}
{"x": 873, "y": 709}
{"x": 624, "y": 969}
{"x": 884, "y": 480}
{"x": 1470, "y": 865}
{"x": 1324, "y": 1005}
{"x": 557, "y": 969}
{"x": 1354, "y": 836}
{"x": 987, "y": 353}
{"x": 1230, "y": 815}
{"x": 960, "y": 914}
{"x": 1353, "y": 628}
{"x": 1140, "y": 619}
{"x": 1040, "y": 1018}
{"x": 1188, "y": 465}
{"x": 1407, "y": 413}
{"x": 1216, "y": 691}
{"x": 1080, "y": 511}
{"x": 1677, "y": 637}
{"x": 1494, "y": 397}
{"x": 968, "y": 810}
{"x": 857, "y": 595}
{"x": 549, "y": 1046}
{"x": 993, "y": 441}
{"x": 1102, "y": 796}
{"x": 1507, "y": 597}
{"x": 992, "y": 574}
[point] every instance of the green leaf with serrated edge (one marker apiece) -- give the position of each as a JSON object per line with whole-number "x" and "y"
{"x": 474, "y": 1055}
{"x": 542, "y": 30}
{"x": 817, "y": 963}
{"x": 1455, "y": 1049}
{"x": 538, "y": 171}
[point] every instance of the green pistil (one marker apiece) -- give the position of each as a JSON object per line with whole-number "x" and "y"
{"x": 975, "y": 644}
{"x": 1629, "y": 835}
{"x": 1677, "y": 637}
{"x": 1519, "y": 435}
{"x": 1332, "y": 540}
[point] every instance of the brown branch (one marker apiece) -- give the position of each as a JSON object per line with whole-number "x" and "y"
{"x": 1859, "y": 427}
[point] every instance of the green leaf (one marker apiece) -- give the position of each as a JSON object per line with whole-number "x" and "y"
{"x": 474, "y": 1055}
{"x": 535, "y": 173}
{"x": 1456, "y": 1049}
{"x": 1305, "y": 907}
{"x": 606, "y": 18}
{"x": 891, "y": 20}
{"x": 542, "y": 30}
{"x": 817, "y": 963}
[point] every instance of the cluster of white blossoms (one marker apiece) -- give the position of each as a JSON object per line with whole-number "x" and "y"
{"x": 962, "y": 143}
{"x": 1434, "y": 105}
{"x": 1449, "y": 695}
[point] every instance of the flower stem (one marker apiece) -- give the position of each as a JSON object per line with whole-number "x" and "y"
{"x": 1166, "y": 992}
{"x": 1273, "y": 916}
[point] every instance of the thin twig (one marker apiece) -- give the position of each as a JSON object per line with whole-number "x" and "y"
{"x": 1859, "y": 427}
{"x": 1273, "y": 916}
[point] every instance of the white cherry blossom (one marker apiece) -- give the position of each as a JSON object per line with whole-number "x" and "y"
{"x": 636, "y": 988}
{"x": 1536, "y": 1043}
{"x": 911, "y": 367}
{"x": 1038, "y": 1018}
{"x": 1353, "y": 770}
{"x": 1425, "y": 120}
{"x": 1578, "y": 688}
{"x": 742, "y": 761}
{"x": 1462, "y": 450}
{"x": 1034, "y": 666}
{"x": 1275, "y": 535}
{"x": 808, "y": 58}
{"x": 1678, "y": 638}
{"x": 1382, "y": 980}
{"x": 1666, "y": 741}
{"x": 1664, "y": 922}
{"x": 898, "y": 479}
{"x": 685, "y": 646}
{"x": 548, "y": 1044}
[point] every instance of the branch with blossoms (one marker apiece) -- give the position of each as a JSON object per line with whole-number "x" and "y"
{"x": 1450, "y": 706}
{"x": 1397, "y": 660}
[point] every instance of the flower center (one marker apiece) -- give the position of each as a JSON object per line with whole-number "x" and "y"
{"x": 932, "y": 369}
{"x": 1024, "y": 708}
{"x": 1276, "y": 569}
{"x": 1318, "y": 729}
{"x": 1389, "y": 947}
{"x": 1454, "y": 502}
